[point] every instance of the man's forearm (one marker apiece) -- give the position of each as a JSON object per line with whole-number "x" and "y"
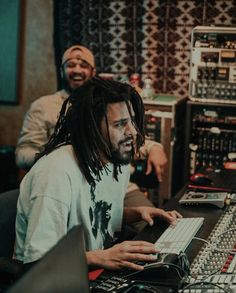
{"x": 131, "y": 215}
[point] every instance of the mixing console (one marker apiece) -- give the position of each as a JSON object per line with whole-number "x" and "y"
{"x": 214, "y": 267}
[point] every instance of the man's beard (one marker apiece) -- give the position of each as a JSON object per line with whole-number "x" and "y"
{"x": 66, "y": 86}
{"x": 123, "y": 158}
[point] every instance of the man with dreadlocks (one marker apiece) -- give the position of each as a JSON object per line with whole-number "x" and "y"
{"x": 78, "y": 65}
{"x": 81, "y": 178}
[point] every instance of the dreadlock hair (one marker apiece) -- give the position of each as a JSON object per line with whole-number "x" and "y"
{"x": 80, "y": 119}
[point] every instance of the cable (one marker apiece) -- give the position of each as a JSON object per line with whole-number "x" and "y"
{"x": 150, "y": 288}
{"x": 225, "y": 231}
{"x": 176, "y": 267}
{"x": 210, "y": 275}
{"x": 230, "y": 250}
{"x": 144, "y": 288}
{"x": 202, "y": 284}
{"x": 206, "y": 277}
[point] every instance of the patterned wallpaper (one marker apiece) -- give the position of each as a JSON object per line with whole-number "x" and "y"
{"x": 150, "y": 37}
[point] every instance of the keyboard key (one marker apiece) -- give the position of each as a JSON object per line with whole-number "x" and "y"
{"x": 176, "y": 239}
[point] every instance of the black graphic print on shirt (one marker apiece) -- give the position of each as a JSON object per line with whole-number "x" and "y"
{"x": 100, "y": 215}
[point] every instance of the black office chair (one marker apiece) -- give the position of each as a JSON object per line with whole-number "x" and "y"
{"x": 10, "y": 269}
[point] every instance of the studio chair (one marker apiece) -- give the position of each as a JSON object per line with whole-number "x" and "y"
{"x": 10, "y": 269}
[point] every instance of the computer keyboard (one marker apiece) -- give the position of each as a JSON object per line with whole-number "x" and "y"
{"x": 176, "y": 239}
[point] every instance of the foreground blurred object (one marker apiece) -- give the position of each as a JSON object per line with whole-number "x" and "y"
{"x": 62, "y": 269}
{"x": 10, "y": 269}
{"x": 8, "y": 169}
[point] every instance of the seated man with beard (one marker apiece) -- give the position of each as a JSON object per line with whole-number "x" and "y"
{"x": 77, "y": 66}
{"x": 81, "y": 177}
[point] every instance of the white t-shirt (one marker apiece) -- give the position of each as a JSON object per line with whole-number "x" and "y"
{"x": 54, "y": 197}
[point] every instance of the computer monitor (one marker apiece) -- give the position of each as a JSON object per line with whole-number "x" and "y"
{"x": 62, "y": 269}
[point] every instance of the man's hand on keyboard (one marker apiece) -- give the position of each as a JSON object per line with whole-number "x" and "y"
{"x": 123, "y": 255}
{"x": 170, "y": 216}
{"x": 133, "y": 214}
